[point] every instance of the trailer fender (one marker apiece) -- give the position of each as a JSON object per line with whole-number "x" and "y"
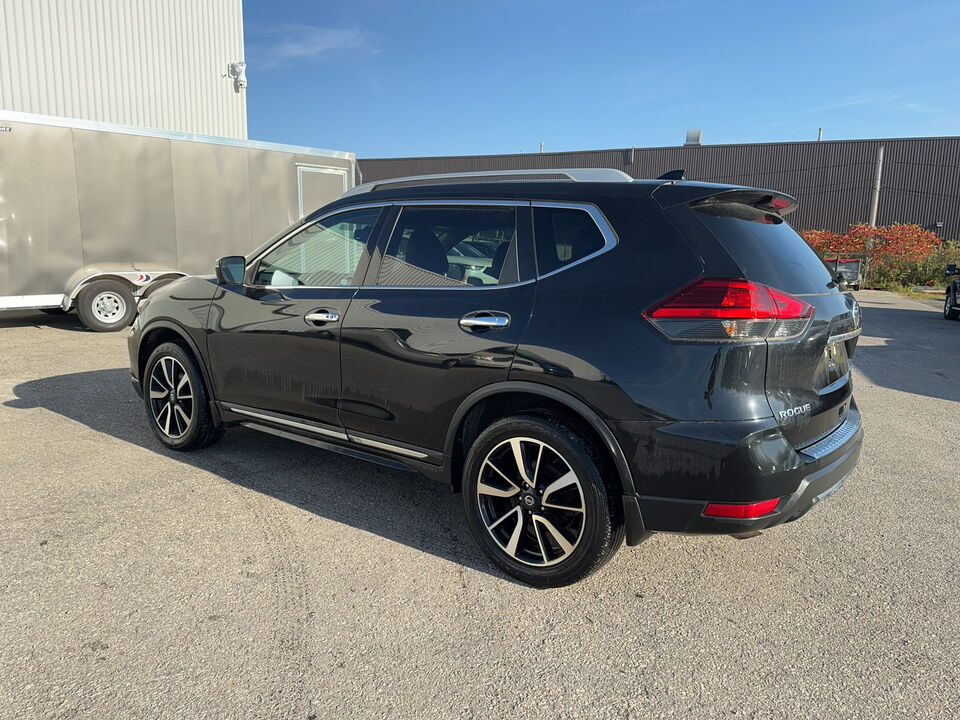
{"x": 140, "y": 282}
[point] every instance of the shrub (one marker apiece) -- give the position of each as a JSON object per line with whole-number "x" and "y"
{"x": 896, "y": 255}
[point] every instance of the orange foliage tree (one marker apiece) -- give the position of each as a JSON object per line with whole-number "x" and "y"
{"x": 905, "y": 242}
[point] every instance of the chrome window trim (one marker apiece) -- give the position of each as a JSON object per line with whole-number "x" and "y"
{"x": 298, "y": 229}
{"x": 610, "y": 238}
{"x": 446, "y": 287}
{"x": 307, "y": 287}
{"x": 467, "y": 203}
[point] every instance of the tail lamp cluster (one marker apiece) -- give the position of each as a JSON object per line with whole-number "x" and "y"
{"x": 711, "y": 309}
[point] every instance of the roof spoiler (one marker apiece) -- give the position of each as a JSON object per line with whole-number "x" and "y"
{"x": 769, "y": 201}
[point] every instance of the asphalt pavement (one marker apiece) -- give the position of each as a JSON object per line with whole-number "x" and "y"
{"x": 264, "y": 578}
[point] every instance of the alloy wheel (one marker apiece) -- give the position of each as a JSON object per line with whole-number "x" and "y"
{"x": 531, "y": 502}
{"x": 171, "y": 397}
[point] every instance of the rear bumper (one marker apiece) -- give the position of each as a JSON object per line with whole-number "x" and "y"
{"x": 809, "y": 479}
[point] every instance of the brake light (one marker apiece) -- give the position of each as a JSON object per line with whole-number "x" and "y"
{"x": 741, "y": 510}
{"x": 716, "y": 309}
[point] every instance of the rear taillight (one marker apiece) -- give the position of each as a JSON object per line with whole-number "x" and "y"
{"x": 730, "y": 310}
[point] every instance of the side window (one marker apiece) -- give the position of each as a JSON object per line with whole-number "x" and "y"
{"x": 563, "y": 236}
{"x": 323, "y": 254}
{"x": 451, "y": 247}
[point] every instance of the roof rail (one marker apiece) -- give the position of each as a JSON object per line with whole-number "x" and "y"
{"x": 574, "y": 174}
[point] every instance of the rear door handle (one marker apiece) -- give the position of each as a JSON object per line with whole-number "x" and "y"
{"x": 321, "y": 317}
{"x": 484, "y": 320}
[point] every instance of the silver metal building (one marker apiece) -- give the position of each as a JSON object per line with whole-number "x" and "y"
{"x": 162, "y": 64}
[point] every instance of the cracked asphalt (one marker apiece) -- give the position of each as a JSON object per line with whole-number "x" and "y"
{"x": 263, "y": 578}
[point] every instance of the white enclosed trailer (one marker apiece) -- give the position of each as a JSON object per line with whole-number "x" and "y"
{"x": 94, "y": 216}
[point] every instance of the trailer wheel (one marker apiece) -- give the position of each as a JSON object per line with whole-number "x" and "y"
{"x": 106, "y": 305}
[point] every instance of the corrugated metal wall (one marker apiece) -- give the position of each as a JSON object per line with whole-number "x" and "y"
{"x": 150, "y": 63}
{"x": 921, "y": 176}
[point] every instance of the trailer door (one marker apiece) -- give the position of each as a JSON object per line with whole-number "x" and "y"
{"x": 319, "y": 184}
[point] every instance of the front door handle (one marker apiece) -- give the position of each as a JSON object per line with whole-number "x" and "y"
{"x": 484, "y": 321}
{"x": 321, "y": 317}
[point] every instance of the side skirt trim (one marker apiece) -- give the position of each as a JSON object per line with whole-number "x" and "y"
{"x": 360, "y": 455}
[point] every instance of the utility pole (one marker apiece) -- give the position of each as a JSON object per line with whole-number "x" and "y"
{"x": 875, "y": 198}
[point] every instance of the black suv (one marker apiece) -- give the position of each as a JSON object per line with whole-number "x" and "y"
{"x": 628, "y": 357}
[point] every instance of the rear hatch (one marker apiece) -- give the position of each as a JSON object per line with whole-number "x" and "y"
{"x": 808, "y": 382}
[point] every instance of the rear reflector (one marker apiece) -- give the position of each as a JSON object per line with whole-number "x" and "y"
{"x": 711, "y": 309}
{"x": 741, "y": 510}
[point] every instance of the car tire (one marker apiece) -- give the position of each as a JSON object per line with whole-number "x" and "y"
{"x": 106, "y": 306}
{"x": 950, "y": 309}
{"x": 555, "y": 521}
{"x": 176, "y": 400}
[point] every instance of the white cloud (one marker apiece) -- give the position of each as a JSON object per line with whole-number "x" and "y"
{"x": 883, "y": 101}
{"x": 306, "y": 43}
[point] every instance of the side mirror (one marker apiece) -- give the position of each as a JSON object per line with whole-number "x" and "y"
{"x": 230, "y": 269}
{"x": 952, "y": 270}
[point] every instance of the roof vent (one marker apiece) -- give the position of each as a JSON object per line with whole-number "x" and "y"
{"x": 694, "y": 137}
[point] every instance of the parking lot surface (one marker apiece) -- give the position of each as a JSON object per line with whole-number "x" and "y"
{"x": 263, "y": 578}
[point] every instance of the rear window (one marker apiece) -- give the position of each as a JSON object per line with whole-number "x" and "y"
{"x": 766, "y": 248}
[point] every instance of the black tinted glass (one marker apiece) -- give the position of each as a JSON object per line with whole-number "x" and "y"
{"x": 766, "y": 248}
{"x": 451, "y": 247}
{"x": 563, "y": 236}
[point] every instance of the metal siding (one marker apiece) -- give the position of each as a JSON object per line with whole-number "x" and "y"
{"x": 154, "y": 199}
{"x": 211, "y": 202}
{"x": 148, "y": 63}
{"x": 832, "y": 179}
{"x": 39, "y": 211}
{"x": 125, "y": 184}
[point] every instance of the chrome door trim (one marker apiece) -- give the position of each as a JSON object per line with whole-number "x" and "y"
{"x": 338, "y": 434}
{"x": 323, "y": 431}
{"x": 390, "y": 448}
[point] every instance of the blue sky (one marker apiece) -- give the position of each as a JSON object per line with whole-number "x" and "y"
{"x": 390, "y": 79}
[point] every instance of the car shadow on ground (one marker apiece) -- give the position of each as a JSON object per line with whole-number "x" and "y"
{"x": 404, "y": 507}
{"x": 39, "y": 319}
{"x": 910, "y": 350}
